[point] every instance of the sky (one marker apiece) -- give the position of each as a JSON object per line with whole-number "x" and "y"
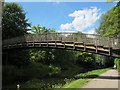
{"x": 66, "y": 16}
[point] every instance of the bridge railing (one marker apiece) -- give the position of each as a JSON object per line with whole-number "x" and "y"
{"x": 72, "y": 37}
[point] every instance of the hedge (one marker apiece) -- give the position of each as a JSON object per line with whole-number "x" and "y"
{"x": 117, "y": 63}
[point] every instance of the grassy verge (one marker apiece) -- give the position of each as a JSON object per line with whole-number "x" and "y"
{"x": 81, "y": 79}
{"x": 76, "y": 81}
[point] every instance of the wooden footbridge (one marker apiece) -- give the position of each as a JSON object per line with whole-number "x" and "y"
{"x": 71, "y": 41}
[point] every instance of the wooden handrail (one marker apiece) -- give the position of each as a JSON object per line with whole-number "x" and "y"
{"x": 95, "y": 39}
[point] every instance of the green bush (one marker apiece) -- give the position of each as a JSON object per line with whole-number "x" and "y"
{"x": 117, "y": 63}
{"x": 12, "y": 74}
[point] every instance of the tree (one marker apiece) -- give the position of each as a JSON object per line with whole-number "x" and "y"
{"x": 110, "y": 22}
{"x": 40, "y": 30}
{"x": 109, "y": 1}
{"x": 14, "y": 22}
{"x": 36, "y": 29}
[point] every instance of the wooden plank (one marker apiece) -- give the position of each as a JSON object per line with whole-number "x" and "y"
{"x": 36, "y": 43}
{"x": 59, "y": 44}
{"x": 96, "y": 49}
{"x": 43, "y": 43}
{"x": 90, "y": 47}
{"x": 51, "y": 43}
{"x": 101, "y": 49}
{"x": 79, "y": 46}
{"x": 69, "y": 44}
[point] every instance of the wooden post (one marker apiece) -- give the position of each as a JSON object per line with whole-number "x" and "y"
{"x": 96, "y": 47}
{"x": 27, "y": 43}
{"x": 110, "y": 51}
{"x": 73, "y": 37}
{"x": 84, "y": 47}
{"x": 55, "y": 44}
{"x": 64, "y": 44}
{"x": 56, "y": 36}
{"x": 33, "y": 41}
{"x": 74, "y": 45}
{"x": 40, "y": 40}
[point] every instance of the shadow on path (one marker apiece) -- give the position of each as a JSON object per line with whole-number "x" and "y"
{"x": 109, "y": 77}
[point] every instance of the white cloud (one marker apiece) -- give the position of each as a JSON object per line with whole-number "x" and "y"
{"x": 66, "y": 31}
{"x": 57, "y": 2}
{"x": 66, "y": 26}
{"x": 82, "y": 19}
{"x": 91, "y": 31}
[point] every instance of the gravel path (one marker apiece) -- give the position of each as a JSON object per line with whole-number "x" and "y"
{"x": 108, "y": 79}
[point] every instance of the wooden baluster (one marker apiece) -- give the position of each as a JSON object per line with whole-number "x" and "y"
{"x": 55, "y": 39}
{"x": 84, "y": 46}
{"x": 33, "y": 39}
{"x": 47, "y": 38}
{"x": 96, "y": 46}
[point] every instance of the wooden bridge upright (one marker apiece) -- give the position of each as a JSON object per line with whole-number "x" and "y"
{"x": 74, "y": 41}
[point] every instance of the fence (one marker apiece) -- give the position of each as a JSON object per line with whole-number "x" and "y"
{"x": 95, "y": 39}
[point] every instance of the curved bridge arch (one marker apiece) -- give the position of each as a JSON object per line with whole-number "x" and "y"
{"x": 73, "y": 41}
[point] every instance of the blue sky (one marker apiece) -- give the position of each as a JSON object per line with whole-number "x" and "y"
{"x": 66, "y": 16}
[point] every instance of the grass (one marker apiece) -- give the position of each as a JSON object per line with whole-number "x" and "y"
{"x": 92, "y": 74}
{"x": 82, "y": 78}
{"x": 76, "y": 84}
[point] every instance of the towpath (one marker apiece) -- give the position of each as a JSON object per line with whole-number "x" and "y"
{"x": 109, "y": 79}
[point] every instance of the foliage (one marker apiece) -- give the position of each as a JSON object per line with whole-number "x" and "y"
{"x": 19, "y": 58}
{"x": 104, "y": 61}
{"x": 109, "y": 1}
{"x": 117, "y": 63}
{"x": 12, "y": 74}
{"x": 14, "y": 22}
{"x": 86, "y": 59}
{"x": 40, "y": 30}
{"x": 32, "y": 65}
{"x": 109, "y": 26}
{"x": 110, "y": 22}
{"x": 45, "y": 56}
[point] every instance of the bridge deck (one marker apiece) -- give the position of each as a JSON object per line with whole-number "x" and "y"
{"x": 84, "y": 47}
{"x": 71, "y": 41}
